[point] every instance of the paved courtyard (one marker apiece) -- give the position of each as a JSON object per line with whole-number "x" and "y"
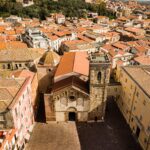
{"x": 53, "y": 136}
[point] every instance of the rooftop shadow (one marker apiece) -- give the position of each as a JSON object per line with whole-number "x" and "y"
{"x": 113, "y": 134}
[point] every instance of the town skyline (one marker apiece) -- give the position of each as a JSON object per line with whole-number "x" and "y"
{"x": 74, "y": 75}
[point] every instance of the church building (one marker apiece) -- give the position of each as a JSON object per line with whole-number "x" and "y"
{"x": 79, "y": 89}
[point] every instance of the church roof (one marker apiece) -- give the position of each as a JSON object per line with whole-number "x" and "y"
{"x": 76, "y": 62}
{"x": 49, "y": 58}
{"x": 71, "y": 81}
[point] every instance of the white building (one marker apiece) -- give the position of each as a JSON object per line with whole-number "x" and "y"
{"x": 35, "y": 38}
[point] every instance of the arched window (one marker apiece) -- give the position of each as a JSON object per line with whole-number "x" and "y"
{"x": 8, "y": 66}
{"x": 99, "y": 76}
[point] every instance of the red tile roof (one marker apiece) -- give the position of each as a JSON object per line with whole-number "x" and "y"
{"x": 73, "y": 62}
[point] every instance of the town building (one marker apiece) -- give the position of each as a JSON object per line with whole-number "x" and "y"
{"x": 35, "y": 38}
{"x": 134, "y": 100}
{"x": 16, "y": 112}
{"x": 34, "y": 86}
{"x": 71, "y": 96}
{"x": 26, "y": 3}
{"x": 18, "y": 59}
{"x": 77, "y": 45}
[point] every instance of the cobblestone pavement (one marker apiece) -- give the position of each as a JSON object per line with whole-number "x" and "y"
{"x": 113, "y": 134}
{"x": 54, "y": 136}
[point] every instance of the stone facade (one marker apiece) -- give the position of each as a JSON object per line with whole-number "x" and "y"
{"x": 99, "y": 79}
{"x": 71, "y": 100}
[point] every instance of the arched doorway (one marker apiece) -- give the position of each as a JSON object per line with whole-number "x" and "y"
{"x": 72, "y": 115}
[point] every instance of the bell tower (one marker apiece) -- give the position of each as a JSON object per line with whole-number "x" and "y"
{"x": 99, "y": 79}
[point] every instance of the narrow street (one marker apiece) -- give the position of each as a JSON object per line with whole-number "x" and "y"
{"x": 41, "y": 110}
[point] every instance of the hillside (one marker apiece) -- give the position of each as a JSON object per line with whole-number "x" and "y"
{"x": 42, "y": 8}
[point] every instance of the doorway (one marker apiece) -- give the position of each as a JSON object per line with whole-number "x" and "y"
{"x": 72, "y": 116}
{"x": 137, "y": 132}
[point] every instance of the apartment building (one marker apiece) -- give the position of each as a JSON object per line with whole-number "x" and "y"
{"x": 16, "y": 112}
{"x": 134, "y": 101}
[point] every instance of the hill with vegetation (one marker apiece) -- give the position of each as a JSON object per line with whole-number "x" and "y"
{"x": 42, "y": 8}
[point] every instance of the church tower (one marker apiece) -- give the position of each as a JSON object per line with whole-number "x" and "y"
{"x": 99, "y": 79}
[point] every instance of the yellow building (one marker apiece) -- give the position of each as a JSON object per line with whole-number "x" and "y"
{"x": 134, "y": 100}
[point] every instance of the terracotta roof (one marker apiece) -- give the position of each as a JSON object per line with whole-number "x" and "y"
{"x": 84, "y": 38}
{"x": 101, "y": 17}
{"x": 121, "y": 46}
{"x": 18, "y": 55}
{"x": 52, "y": 37}
{"x": 110, "y": 49}
{"x": 12, "y": 45}
{"x": 140, "y": 49}
{"x": 76, "y": 62}
{"x": 143, "y": 60}
{"x": 134, "y": 30}
{"x": 10, "y": 32}
{"x": 73, "y": 42}
{"x": 71, "y": 81}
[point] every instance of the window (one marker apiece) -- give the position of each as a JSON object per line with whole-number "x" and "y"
{"x": 126, "y": 80}
{"x": 16, "y": 66}
{"x": 27, "y": 90}
{"x": 8, "y": 66}
{"x": 3, "y": 66}
{"x": 99, "y": 76}
{"x": 16, "y": 112}
{"x": 66, "y": 93}
{"x": 137, "y": 94}
{"x": 20, "y": 65}
{"x": 72, "y": 97}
